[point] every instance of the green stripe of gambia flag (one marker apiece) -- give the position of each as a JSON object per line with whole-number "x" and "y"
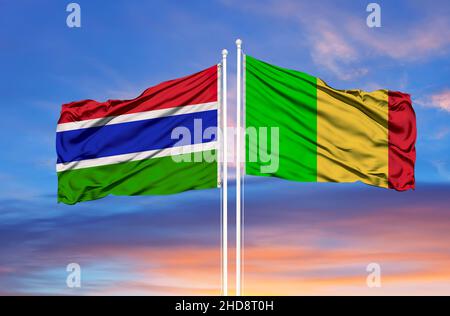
{"x": 154, "y": 176}
{"x": 295, "y": 115}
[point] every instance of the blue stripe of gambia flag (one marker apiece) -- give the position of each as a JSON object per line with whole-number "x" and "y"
{"x": 124, "y": 138}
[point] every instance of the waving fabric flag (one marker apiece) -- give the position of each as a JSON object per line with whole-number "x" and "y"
{"x": 129, "y": 147}
{"x": 329, "y": 135}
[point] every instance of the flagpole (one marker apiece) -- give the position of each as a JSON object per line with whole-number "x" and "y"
{"x": 238, "y": 169}
{"x": 224, "y": 176}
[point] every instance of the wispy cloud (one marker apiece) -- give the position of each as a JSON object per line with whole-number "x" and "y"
{"x": 295, "y": 242}
{"x": 416, "y": 41}
{"x": 341, "y": 42}
{"x": 443, "y": 169}
{"x": 329, "y": 48}
{"x": 332, "y": 51}
{"x": 442, "y": 133}
{"x": 440, "y": 100}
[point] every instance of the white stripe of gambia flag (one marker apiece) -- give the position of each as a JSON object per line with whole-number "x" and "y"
{"x": 132, "y": 117}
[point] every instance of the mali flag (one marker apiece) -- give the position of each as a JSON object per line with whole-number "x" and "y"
{"x": 328, "y": 135}
{"x": 128, "y": 147}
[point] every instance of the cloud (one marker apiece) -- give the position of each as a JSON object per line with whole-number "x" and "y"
{"x": 299, "y": 239}
{"x": 340, "y": 41}
{"x": 442, "y": 133}
{"x": 419, "y": 41}
{"x": 329, "y": 47}
{"x": 442, "y": 169}
{"x": 440, "y": 100}
{"x": 332, "y": 51}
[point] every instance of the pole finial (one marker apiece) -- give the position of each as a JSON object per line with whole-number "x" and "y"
{"x": 238, "y": 43}
{"x": 224, "y": 52}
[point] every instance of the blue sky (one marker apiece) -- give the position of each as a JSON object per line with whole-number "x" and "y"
{"x": 124, "y": 47}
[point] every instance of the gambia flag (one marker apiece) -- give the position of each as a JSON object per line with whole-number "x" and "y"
{"x": 325, "y": 134}
{"x": 162, "y": 142}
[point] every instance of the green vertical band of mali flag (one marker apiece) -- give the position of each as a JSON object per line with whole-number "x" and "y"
{"x": 295, "y": 115}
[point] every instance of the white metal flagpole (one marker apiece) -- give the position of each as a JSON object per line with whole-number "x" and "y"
{"x": 224, "y": 176}
{"x": 238, "y": 168}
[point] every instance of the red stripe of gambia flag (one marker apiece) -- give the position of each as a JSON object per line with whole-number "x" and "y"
{"x": 198, "y": 88}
